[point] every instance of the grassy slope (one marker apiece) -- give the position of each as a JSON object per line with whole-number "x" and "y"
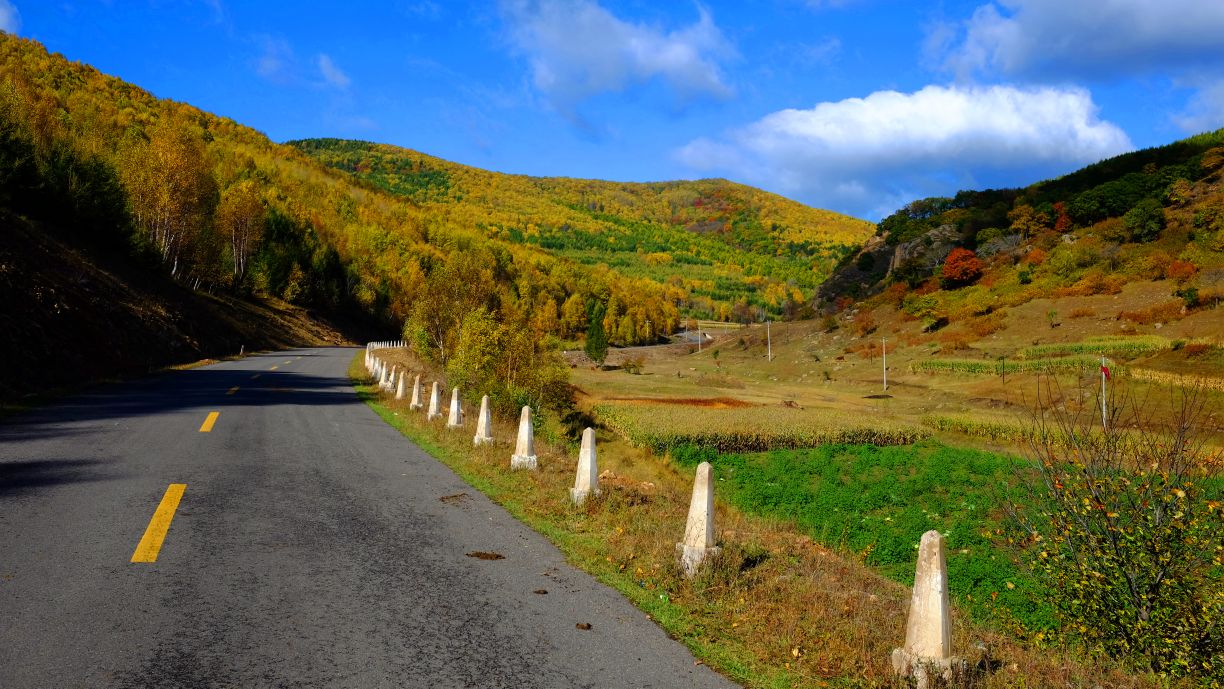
{"x": 724, "y": 241}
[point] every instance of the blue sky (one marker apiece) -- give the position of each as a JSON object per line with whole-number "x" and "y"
{"x": 854, "y": 105}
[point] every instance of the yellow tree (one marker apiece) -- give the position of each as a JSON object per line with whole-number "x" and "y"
{"x": 240, "y": 219}
{"x": 170, "y": 188}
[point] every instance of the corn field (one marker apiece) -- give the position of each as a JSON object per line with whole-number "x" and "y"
{"x": 751, "y": 429}
{"x": 1122, "y": 347}
{"x": 1178, "y": 379}
{"x": 987, "y": 367}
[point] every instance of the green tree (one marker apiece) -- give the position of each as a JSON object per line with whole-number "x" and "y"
{"x": 596, "y": 345}
{"x": 1145, "y": 220}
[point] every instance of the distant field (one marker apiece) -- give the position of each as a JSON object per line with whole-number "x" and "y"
{"x": 747, "y": 428}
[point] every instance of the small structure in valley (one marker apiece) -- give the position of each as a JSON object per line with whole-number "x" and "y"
{"x": 484, "y": 424}
{"x": 699, "y": 533}
{"x": 435, "y": 403}
{"x": 587, "y": 480}
{"x": 416, "y": 393}
{"x": 927, "y": 653}
{"x": 524, "y": 456}
{"x": 455, "y": 419}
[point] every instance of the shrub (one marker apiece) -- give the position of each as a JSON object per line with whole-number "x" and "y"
{"x": 1125, "y": 535}
{"x": 987, "y": 325}
{"x": 1180, "y": 271}
{"x": 954, "y": 341}
{"x": 1035, "y": 257}
{"x": 1160, "y": 313}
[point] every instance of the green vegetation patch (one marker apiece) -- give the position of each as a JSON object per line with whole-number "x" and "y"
{"x": 877, "y": 502}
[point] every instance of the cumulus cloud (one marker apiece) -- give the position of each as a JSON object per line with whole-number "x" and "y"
{"x": 868, "y": 156}
{"x": 1114, "y": 38}
{"x": 10, "y": 18}
{"x": 578, "y": 49}
{"x": 332, "y": 74}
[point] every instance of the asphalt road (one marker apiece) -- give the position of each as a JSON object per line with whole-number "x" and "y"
{"x": 310, "y": 548}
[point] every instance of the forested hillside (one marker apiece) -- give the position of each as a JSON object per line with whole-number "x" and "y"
{"x": 220, "y": 209}
{"x": 1150, "y": 215}
{"x": 736, "y": 252}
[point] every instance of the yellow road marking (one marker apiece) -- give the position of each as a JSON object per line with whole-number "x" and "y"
{"x": 254, "y": 376}
{"x": 206, "y": 427}
{"x": 289, "y": 362}
{"x": 273, "y": 368}
{"x": 232, "y": 390}
{"x": 151, "y": 543}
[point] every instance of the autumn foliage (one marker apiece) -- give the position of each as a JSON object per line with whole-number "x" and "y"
{"x": 962, "y": 267}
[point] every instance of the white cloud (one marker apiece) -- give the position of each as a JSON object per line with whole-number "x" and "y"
{"x": 10, "y": 18}
{"x": 868, "y": 156}
{"x": 1205, "y": 111}
{"x": 276, "y": 61}
{"x": 332, "y": 74}
{"x": 1107, "y": 38}
{"x": 578, "y": 49}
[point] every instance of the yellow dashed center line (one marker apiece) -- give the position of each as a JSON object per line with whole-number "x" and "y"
{"x": 207, "y": 426}
{"x": 151, "y": 543}
{"x": 274, "y": 368}
{"x": 232, "y": 390}
{"x": 289, "y": 362}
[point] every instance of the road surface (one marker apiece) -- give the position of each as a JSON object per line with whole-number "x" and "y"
{"x": 309, "y": 548}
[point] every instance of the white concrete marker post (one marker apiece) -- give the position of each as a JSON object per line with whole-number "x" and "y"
{"x": 382, "y": 376}
{"x": 587, "y": 480}
{"x": 699, "y": 533}
{"x": 928, "y": 634}
{"x": 455, "y": 420}
{"x": 435, "y": 403}
{"x": 400, "y": 390}
{"x": 484, "y": 424}
{"x": 416, "y": 394}
{"x": 524, "y": 456}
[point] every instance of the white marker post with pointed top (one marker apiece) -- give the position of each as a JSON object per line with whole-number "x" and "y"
{"x": 928, "y": 633}
{"x": 524, "y": 456}
{"x": 484, "y": 424}
{"x": 416, "y": 394}
{"x": 455, "y": 420}
{"x": 400, "y": 390}
{"x": 699, "y": 533}
{"x": 435, "y": 403}
{"x": 587, "y": 480}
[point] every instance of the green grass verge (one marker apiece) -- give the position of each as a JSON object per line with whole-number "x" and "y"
{"x": 876, "y": 502}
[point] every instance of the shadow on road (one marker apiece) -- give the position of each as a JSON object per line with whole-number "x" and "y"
{"x": 18, "y": 477}
{"x": 203, "y": 389}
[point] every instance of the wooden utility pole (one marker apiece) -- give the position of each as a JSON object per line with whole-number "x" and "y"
{"x": 884, "y": 356}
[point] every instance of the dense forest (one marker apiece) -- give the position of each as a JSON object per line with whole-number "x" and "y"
{"x": 222, "y": 209}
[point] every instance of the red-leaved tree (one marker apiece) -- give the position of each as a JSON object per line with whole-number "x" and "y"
{"x": 961, "y": 267}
